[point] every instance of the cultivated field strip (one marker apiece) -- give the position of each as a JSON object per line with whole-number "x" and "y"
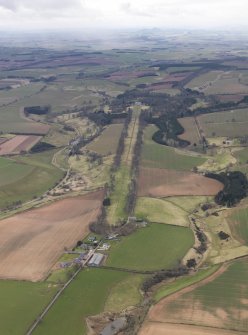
{"x": 32, "y": 241}
{"x": 164, "y": 183}
{"x": 18, "y": 144}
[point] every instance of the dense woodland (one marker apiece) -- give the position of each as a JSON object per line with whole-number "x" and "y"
{"x": 38, "y": 110}
{"x": 235, "y": 187}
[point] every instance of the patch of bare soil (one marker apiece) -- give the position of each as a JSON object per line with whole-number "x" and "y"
{"x": 229, "y": 97}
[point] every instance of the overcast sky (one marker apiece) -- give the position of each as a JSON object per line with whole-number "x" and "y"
{"x": 22, "y": 14}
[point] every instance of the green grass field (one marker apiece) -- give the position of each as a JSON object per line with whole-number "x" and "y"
{"x": 227, "y": 85}
{"x": 122, "y": 177}
{"x": 238, "y": 222}
{"x": 228, "y": 129}
{"x": 104, "y": 85}
{"x": 59, "y": 137}
{"x": 180, "y": 283}
{"x": 116, "y": 210}
{"x": 11, "y": 121}
{"x": 20, "y": 304}
{"x": 155, "y": 155}
{"x": 155, "y": 247}
{"x": 189, "y": 203}
{"x": 219, "y": 82}
{"x": 85, "y": 296}
{"x": 203, "y": 79}
{"x": 22, "y": 91}
{"x": 28, "y": 176}
{"x": 12, "y": 171}
{"x": 60, "y": 97}
{"x": 236, "y": 115}
{"x": 242, "y": 155}
{"x": 124, "y": 294}
{"x": 107, "y": 142}
{"x": 225, "y": 298}
{"x": 160, "y": 211}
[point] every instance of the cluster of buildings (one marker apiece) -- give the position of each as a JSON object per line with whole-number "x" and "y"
{"x": 89, "y": 257}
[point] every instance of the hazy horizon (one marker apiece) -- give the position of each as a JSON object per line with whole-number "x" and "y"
{"x": 120, "y": 14}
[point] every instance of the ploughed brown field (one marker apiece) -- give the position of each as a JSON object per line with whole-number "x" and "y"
{"x": 191, "y": 133}
{"x": 229, "y": 97}
{"x": 31, "y": 242}
{"x": 18, "y": 144}
{"x": 176, "y": 77}
{"x": 160, "y": 86}
{"x": 160, "y": 328}
{"x": 159, "y": 183}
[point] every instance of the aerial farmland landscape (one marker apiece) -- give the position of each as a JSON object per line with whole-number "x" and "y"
{"x": 123, "y": 167}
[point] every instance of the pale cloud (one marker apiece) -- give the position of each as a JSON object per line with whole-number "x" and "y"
{"x": 40, "y": 5}
{"x": 129, "y": 9}
{"x": 121, "y": 13}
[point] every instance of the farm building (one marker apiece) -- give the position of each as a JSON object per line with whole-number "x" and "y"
{"x": 96, "y": 259}
{"x": 111, "y": 237}
{"x": 105, "y": 246}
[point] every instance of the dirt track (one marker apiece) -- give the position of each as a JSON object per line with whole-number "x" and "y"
{"x": 160, "y": 328}
{"x": 31, "y": 242}
{"x": 165, "y": 183}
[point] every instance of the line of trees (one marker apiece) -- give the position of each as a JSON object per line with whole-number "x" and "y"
{"x": 132, "y": 191}
{"x": 162, "y": 275}
{"x": 121, "y": 144}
